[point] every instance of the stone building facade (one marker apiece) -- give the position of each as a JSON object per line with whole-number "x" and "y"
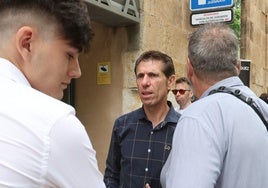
{"x": 254, "y": 42}
{"x": 162, "y": 25}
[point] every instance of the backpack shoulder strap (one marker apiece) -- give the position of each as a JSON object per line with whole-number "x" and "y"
{"x": 237, "y": 93}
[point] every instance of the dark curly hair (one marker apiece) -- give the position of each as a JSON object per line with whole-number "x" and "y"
{"x": 70, "y": 17}
{"x": 264, "y": 97}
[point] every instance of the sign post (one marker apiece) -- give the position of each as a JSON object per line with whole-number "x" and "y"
{"x": 215, "y": 16}
{"x": 199, "y": 5}
{"x": 245, "y": 71}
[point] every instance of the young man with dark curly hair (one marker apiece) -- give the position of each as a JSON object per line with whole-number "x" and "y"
{"x": 42, "y": 143}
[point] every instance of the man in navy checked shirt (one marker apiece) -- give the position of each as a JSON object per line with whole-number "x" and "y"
{"x": 141, "y": 140}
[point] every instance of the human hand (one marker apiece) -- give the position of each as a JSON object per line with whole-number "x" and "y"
{"x": 147, "y": 185}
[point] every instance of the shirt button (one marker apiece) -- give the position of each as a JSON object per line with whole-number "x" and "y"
{"x": 149, "y": 150}
{"x": 146, "y": 169}
{"x": 152, "y": 132}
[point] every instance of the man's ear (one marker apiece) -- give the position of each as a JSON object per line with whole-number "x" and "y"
{"x": 23, "y": 39}
{"x": 190, "y": 70}
{"x": 171, "y": 81}
{"x": 238, "y": 67}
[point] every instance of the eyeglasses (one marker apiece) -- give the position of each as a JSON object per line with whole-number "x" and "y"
{"x": 181, "y": 91}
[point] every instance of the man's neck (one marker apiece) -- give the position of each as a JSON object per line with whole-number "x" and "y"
{"x": 185, "y": 106}
{"x": 156, "y": 114}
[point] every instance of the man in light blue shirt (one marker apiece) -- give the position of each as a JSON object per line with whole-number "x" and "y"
{"x": 220, "y": 141}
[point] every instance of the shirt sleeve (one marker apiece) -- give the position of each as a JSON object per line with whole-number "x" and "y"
{"x": 195, "y": 159}
{"x": 72, "y": 159}
{"x": 112, "y": 171}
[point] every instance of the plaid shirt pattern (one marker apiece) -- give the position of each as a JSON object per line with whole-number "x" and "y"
{"x": 138, "y": 151}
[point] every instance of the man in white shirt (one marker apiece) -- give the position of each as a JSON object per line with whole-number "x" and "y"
{"x": 183, "y": 94}
{"x": 220, "y": 141}
{"x": 42, "y": 143}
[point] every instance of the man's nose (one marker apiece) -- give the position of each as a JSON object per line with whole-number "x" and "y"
{"x": 75, "y": 71}
{"x": 145, "y": 80}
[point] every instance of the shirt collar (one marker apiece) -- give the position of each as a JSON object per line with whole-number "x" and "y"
{"x": 11, "y": 72}
{"x": 228, "y": 82}
{"x": 172, "y": 116}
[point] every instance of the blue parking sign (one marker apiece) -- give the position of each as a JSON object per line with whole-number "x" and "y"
{"x": 197, "y": 5}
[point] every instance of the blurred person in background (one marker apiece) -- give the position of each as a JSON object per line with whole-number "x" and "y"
{"x": 264, "y": 97}
{"x": 183, "y": 94}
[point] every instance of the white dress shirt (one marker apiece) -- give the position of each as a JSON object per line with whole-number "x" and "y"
{"x": 42, "y": 143}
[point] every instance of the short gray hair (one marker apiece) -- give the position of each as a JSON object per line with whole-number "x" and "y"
{"x": 213, "y": 51}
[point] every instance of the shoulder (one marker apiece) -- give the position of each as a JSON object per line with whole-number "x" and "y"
{"x": 172, "y": 116}
{"x": 211, "y": 111}
{"x": 50, "y": 107}
{"x": 211, "y": 103}
{"x": 132, "y": 116}
{"x": 32, "y": 105}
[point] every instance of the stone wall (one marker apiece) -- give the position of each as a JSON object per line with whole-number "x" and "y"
{"x": 165, "y": 26}
{"x": 254, "y": 43}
